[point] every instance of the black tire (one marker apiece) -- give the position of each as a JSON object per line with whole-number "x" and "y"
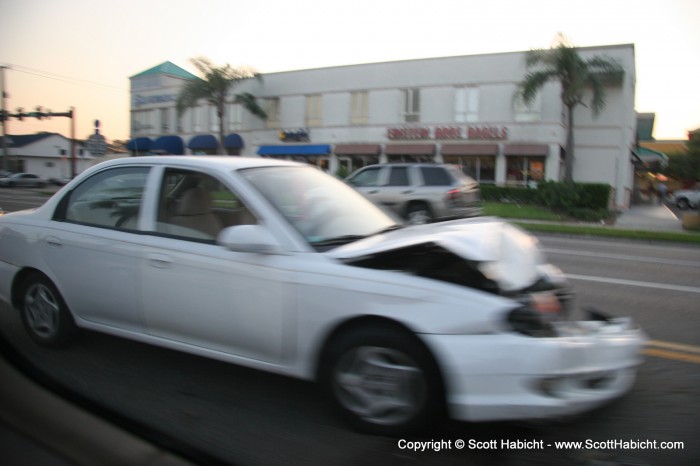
{"x": 45, "y": 316}
{"x": 419, "y": 213}
{"x": 383, "y": 381}
{"x": 683, "y": 204}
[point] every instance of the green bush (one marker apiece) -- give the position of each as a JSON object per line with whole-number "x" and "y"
{"x": 583, "y": 201}
{"x": 509, "y": 195}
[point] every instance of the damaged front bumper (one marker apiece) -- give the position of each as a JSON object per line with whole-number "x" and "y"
{"x": 512, "y": 376}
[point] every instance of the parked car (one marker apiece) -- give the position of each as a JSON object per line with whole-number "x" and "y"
{"x": 24, "y": 180}
{"x": 278, "y": 266}
{"x": 687, "y": 198}
{"x": 420, "y": 192}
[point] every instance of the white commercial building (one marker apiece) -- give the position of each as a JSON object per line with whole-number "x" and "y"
{"x": 457, "y": 109}
{"x": 47, "y": 155}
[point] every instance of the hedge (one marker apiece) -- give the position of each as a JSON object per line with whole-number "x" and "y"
{"x": 585, "y": 201}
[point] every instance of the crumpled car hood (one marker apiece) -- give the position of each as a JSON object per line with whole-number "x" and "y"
{"x": 506, "y": 254}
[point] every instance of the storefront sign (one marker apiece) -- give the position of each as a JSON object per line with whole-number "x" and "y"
{"x": 153, "y": 99}
{"x": 471, "y": 132}
{"x": 295, "y": 135}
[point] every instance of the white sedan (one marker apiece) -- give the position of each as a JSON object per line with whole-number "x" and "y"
{"x": 278, "y": 266}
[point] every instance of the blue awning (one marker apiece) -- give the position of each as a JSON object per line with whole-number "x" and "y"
{"x": 233, "y": 141}
{"x": 307, "y": 149}
{"x": 172, "y": 145}
{"x": 139, "y": 144}
{"x": 203, "y": 141}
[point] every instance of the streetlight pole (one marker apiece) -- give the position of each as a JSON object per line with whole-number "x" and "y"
{"x": 5, "y": 154}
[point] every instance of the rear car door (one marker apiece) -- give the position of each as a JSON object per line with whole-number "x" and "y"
{"x": 92, "y": 247}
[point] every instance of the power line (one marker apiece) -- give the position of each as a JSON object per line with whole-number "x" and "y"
{"x": 59, "y": 77}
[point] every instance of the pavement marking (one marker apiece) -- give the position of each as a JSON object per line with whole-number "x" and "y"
{"x": 674, "y": 346}
{"x": 675, "y": 351}
{"x": 665, "y": 354}
{"x": 654, "y": 260}
{"x": 617, "y": 281}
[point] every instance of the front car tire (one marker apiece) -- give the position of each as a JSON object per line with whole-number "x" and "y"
{"x": 383, "y": 381}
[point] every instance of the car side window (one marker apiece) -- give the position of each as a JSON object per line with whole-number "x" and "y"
{"x": 111, "y": 198}
{"x": 366, "y": 178}
{"x": 197, "y": 206}
{"x": 398, "y": 176}
{"x": 435, "y": 176}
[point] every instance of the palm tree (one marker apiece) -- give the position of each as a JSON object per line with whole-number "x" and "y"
{"x": 214, "y": 87}
{"x": 576, "y": 75}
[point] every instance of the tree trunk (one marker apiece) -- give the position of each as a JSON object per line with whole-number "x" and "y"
{"x": 220, "y": 113}
{"x": 569, "y": 160}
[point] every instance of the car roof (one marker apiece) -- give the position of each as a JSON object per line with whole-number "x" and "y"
{"x": 222, "y": 162}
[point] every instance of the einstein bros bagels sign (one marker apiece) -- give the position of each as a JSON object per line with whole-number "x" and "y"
{"x": 472, "y": 132}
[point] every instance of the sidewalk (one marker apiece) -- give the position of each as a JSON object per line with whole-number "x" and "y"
{"x": 649, "y": 218}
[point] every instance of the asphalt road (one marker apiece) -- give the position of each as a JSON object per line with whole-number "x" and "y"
{"x": 241, "y": 416}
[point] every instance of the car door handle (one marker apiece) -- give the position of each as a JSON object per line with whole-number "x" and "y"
{"x": 375, "y": 191}
{"x": 160, "y": 261}
{"x": 407, "y": 192}
{"x": 54, "y": 242}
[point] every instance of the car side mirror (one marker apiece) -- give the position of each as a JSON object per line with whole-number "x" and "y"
{"x": 249, "y": 238}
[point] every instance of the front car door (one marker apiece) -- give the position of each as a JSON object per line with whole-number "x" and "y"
{"x": 200, "y": 294}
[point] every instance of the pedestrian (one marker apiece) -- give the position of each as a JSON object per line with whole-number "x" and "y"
{"x": 661, "y": 190}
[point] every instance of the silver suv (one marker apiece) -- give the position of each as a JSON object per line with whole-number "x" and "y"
{"x": 420, "y": 192}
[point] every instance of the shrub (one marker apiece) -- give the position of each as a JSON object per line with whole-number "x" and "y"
{"x": 583, "y": 201}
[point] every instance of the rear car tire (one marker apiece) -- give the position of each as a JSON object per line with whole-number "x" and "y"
{"x": 419, "y": 213}
{"x": 383, "y": 381}
{"x": 45, "y": 316}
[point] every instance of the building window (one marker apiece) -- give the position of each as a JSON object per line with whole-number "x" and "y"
{"x": 466, "y": 105}
{"x": 524, "y": 171}
{"x": 411, "y": 107}
{"x": 234, "y": 114}
{"x": 164, "y": 120}
{"x": 213, "y": 119}
{"x": 314, "y": 110}
{"x": 481, "y": 168}
{"x": 272, "y": 108}
{"x": 197, "y": 119}
{"x": 527, "y": 112}
{"x": 141, "y": 122}
{"x": 360, "y": 108}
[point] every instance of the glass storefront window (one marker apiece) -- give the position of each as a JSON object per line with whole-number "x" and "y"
{"x": 481, "y": 168}
{"x": 523, "y": 170}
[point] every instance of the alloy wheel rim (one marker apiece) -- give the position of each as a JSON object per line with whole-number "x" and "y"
{"x": 380, "y": 385}
{"x": 42, "y": 310}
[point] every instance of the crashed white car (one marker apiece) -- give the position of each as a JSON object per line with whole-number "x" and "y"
{"x": 278, "y": 266}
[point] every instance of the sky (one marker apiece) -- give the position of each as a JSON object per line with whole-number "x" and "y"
{"x": 81, "y": 53}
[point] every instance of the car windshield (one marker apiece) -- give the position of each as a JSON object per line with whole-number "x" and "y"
{"x": 326, "y": 211}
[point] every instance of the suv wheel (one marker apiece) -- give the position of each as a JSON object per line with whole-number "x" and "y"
{"x": 419, "y": 214}
{"x": 683, "y": 203}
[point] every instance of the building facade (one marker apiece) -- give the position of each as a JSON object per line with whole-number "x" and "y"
{"x": 457, "y": 110}
{"x": 46, "y": 154}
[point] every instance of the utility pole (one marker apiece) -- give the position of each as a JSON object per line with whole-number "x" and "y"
{"x": 3, "y": 116}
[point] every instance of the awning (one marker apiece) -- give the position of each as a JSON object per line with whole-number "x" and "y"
{"x": 409, "y": 149}
{"x": 357, "y": 149}
{"x": 233, "y": 141}
{"x": 469, "y": 149}
{"x": 172, "y": 145}
{"x": 307, "y": 149}
{"x": 203, "y": 142}
{"x": 526, "y": 149}
{"x": 139, "y": 144}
